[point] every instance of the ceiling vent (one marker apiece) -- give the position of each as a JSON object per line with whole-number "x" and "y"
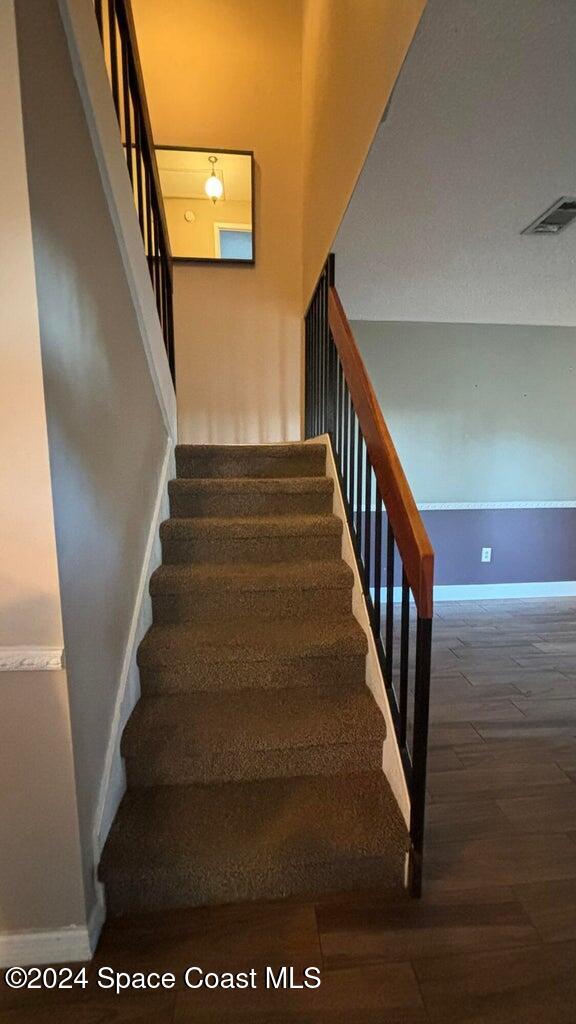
{"x": 555, "y": 219}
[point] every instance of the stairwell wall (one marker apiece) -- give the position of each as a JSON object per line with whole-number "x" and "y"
{"x": 304, "y": 85}
{"x": 352, "y": 54}
{"x": 228, "y": 75}
{"x": 106, "y": 433}
{"x": 41, "y": 892}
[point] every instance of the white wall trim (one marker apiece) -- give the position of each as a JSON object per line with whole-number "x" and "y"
{"x": 113, "y": 783}
{"x": 21, "y": 949}
{"x": 391, "y": 758}
{"x": 495, "y": 591}
{"x": 63, "y": 945}
{"x": 500, "y": 591}
{"x": 90, "y": 73}
{"x": 43, "y": 947}
{"x": 31, "y": 659}
{"x": 449, "y": 506}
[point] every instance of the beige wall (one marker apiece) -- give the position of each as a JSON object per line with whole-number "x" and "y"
{"x": 352, "y": 53}
{"x": 29, "y": 592}
{"x": 40, "y": 866}
{"x": 228, "y": 75}
{"x": 197, "y": 238}
{"x": 106, "y": 433}
{"x": 304, "y": 85}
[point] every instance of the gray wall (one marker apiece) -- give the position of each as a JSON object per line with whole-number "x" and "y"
{"x": 478, "y": 412}
{"x": 106, "y": 434}
{"x": 484, "y": 413}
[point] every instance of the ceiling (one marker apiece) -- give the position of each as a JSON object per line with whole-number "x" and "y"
{"x": 183, "y": 173}
{"x": 479, "y": 139}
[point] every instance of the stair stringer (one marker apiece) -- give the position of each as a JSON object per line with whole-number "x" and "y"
{"x": 391, "y": 756}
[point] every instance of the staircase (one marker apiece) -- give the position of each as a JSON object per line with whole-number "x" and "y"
{"x": 254, "y": 755}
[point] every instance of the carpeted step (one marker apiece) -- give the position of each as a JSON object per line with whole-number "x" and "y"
{"x": 177, "y": 846}
{"x": 262, "y": 539}
{"x": 244, "y": 497}
{"x": 250, "y": 460}
{"x": 251, "y": 655}
{"x": 200, "y": 593}
{"x": 254, "y": 734}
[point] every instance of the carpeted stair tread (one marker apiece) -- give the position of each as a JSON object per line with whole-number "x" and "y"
{"x": 216, "y": 843}
{"x": 253, "y": 734}
{"x": 252, "y": 641}
{"x": 238, "y": 527}
{"x": 259, "y": 485}
{"x": 250, "y": 460}
{"x": 250, "y": 495}
{"x": 254, "y": 756}
{"x": 172, "y": 579}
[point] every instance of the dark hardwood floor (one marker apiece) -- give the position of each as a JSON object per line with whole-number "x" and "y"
{"x": 493, "y": 940}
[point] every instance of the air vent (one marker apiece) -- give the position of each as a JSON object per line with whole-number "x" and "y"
{"x": 555, "y": 219}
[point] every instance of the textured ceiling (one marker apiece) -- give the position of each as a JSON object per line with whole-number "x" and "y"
{"x": 480, "y": 138}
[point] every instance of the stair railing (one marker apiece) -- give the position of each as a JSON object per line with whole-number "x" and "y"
{"x": 118, "y": 35}
{"x": 340, "y": 401}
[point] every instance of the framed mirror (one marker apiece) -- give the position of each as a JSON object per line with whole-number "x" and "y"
{"x": 209, "y": 203}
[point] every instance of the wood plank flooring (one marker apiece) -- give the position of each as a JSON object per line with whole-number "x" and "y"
{"x": 493, "y": 940}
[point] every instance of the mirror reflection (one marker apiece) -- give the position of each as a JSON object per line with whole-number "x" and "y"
{"x": 208, "y": 198}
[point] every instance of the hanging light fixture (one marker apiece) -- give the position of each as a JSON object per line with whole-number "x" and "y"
{"x": 213, "y": 187}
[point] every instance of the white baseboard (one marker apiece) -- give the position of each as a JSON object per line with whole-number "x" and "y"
{"x": 22, "y": 949}
{"x": 500, "y": 591}
{"x": 113, "y": 783}
{"x": 63, "y": 945}
{"x": 495, "y": 591}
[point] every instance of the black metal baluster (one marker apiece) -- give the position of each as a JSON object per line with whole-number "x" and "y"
{"x": 113, "y": 55}
{"x": 368, "y": 529}
{"x": 127, "y": 111}
{"x": 338, "y": 431}
{"x": 324, "y": 361}
{"x": 170, "y": 335}
{"x": 318, "y": 364}
{"x": 148, "y": 222}
{"x": 98, "y": 12}
{"x": 379, "y": 512}
{"x": 420, "y": 747}
{"x": 162, "y": 292}
{"x": 314, "y": 368}
{"x": 306, "y": 375}
{"x": 351, "y": 454}
{"x": 139, "y": 161}
{"x": 359, "y": 492}
{"x": 404, "y": 658}
{"x": 389, "y": 604}
{"x": 331, "y": 393}
{"x": 344, "y": 453}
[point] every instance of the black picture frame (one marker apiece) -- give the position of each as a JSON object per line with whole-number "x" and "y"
{"x": 213, "y": 260}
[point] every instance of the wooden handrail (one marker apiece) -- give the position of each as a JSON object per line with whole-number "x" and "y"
{"x": 409, "y": 530}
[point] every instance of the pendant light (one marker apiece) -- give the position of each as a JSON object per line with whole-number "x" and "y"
{"x": 213, "y": 187}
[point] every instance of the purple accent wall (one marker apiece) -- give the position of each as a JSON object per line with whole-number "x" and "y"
{"x": 529, "y": 545}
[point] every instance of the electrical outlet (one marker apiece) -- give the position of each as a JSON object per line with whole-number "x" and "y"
{"x": 486, "y": 555}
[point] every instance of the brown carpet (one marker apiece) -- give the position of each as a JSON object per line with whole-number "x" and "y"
{"x": 254, "y": 755}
